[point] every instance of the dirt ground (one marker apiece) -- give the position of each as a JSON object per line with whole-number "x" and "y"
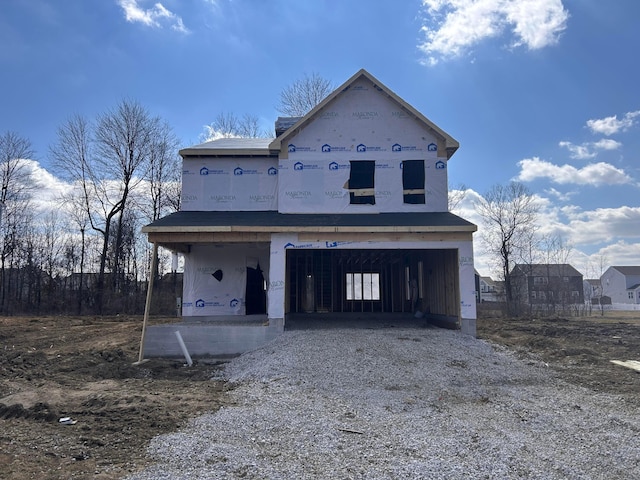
{"x": 579, "y": 349}
{"x": 82, "y": 368}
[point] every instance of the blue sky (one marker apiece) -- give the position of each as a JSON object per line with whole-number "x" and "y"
{"x": 540, "y": 91}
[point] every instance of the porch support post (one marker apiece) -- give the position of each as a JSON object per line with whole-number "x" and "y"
{"x": 277, "y": 276}
{"x": 147, "y": 306}
{"x": 467, "y": 282}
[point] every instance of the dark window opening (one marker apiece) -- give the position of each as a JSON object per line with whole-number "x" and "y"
{"x": 413, "y": 181}
{"x": 361, "y": 182}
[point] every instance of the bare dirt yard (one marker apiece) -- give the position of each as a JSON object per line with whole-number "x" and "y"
{"x": 82, "y": 368}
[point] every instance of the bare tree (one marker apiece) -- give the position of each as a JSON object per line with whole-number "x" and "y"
{"x": 303, "y": 94}
{"x": 16, "y": 186}
{"x": 108, "y": 161}
{"x": 456, "y": 196}
{"x": 228, "y": 125}
{"x": 15, "y": 178}
{"x": 163, "y": 167}
{"x": 509, "y": 214}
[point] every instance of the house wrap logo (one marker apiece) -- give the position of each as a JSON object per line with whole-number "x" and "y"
{"x": 208, "y": 171}
{"x": 396, "y": 147}
{"x": 363, "y": 148}
{"x": 329, "y": 115}
{"x": 364, "y": 115}
{"x": 291, "y": 245}
{"x": 293, "y": 148}
{"x": 223, "y": 198}
{"x": 326, "y": 148}
{"x": 261, "y": 198}
{"x": 384, "y": 166}
{"x": 276, "y": 285}
{"x": 234, "y": 303}
{"x": 332, "y": 194}
{"x": 432, "y": 147}
{"x": 297, "y": 194}
{"x": 299, "y": 166}
{"x": 440, "y": 165}
{"x": 337, "y": 166}
{"x": 243, "y": 171}
{"x": 272, "y": 171}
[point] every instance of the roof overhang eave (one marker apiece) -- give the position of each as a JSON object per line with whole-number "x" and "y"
{"x": 312, "y": 229}
{"x": 227, "y": 152}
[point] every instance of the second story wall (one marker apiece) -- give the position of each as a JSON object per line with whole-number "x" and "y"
{"x": 362, "y": 153}
{"x": 232, "y": 184}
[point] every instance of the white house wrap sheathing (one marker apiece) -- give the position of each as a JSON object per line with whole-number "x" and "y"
{"x": 314, "y": 176}
{"x": 235, "y": 184}
{"x": 215, "y": 278}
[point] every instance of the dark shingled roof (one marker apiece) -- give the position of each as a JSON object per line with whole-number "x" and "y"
{"x": 273, "y": 218}
{"x": 627, "y": 269}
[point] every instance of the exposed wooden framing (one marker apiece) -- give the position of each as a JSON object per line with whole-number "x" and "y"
{"x": 440, "y": 280}
{"x": 147, "y": 306}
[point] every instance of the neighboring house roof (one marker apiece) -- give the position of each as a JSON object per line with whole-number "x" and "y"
{"x": 285, "y": 123}
{"x": 633, "y": 287}
{"x": 544, "y": 269}
{"x": 628, "y": 270}
{"x": 228, "y": 221}
{"x": 231, "y": 146}
{"x": 447, "y": 145}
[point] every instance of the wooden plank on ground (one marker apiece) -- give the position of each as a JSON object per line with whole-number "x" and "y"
{"x": 632, "y": 364}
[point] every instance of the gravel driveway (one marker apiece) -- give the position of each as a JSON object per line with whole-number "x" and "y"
{"x": 397, "y": 403}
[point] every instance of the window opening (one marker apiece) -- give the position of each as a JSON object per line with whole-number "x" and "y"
{"x": 363, "y": 286}
{"x": 413, "y": 181}
{"x": 361, "y": 182}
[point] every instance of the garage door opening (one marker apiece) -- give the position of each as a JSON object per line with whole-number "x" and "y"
{"x": 372, "y": 281}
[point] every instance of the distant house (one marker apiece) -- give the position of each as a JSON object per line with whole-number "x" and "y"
{"x": 547, "y": 284}
{"x": 622, "y": 284}
{"x": 491, "y": 290}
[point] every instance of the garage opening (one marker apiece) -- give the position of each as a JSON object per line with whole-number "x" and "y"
{"x": 377, "y": 281}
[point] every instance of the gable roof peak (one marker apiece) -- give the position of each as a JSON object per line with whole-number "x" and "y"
{"x": 447, "y": 145}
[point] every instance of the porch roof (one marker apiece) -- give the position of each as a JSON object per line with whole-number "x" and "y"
{"x": 273, "y": 221}
{"x": 179, "y": 229}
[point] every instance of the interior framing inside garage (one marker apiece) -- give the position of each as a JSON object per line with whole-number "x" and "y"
{"x": 373, "y": 280}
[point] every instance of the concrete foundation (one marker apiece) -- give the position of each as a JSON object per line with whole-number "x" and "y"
{"x": 208, "y": 338}
{"x": 468, "y": 326}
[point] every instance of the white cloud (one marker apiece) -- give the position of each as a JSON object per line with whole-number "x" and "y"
{"x": 594, "y": 174}
{"x": 611, "y": 125}
{"x": 454, "y": 26}
{"x": 563, "y": 196}
{"x": 605, "y": 224}
{"x": 589, "y": 150}
{"x": 157, "y": 16}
